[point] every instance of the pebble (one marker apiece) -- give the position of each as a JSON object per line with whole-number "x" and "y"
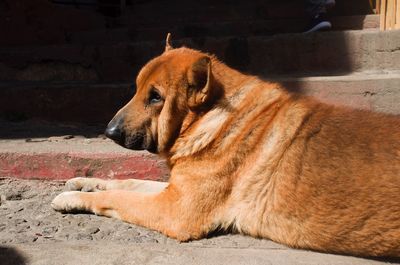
{"x": 13, "y": 195}
{"x": 92, "y": 230}
{"x": 49, "y": 230}
{"x": 87, "y": 141}
{"x": 2, "y": 198}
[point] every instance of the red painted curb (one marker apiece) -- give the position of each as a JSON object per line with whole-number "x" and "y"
{"x": 51, "y": 166}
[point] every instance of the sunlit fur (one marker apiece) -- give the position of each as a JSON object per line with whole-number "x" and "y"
{"x": 249, "y": 157}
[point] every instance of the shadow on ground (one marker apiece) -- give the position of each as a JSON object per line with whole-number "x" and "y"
{"x": 10, "y": 256}
{"x": 42, "y": 129}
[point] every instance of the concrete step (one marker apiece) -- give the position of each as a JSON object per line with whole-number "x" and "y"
{"x": 96, "y": 103}
{"x": 64, "y": 157}
{"x": 323, "y": 53}
{"x": 181, "y": 12}
{"x": 39, "y": 22}
{"x": 89, "y": 103}
{"x": 257, "y": 252}
{"x": 376, "y": 91}
{"x": 220, "y": 28}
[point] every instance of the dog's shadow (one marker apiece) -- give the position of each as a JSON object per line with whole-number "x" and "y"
{"x": 218, "y": 232}
{"x": 391, "y": 260}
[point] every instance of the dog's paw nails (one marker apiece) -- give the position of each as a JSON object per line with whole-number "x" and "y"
{"x": 67, "y": 202}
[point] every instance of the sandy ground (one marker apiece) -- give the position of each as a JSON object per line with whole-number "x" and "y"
{"x": 26, "y": 217}
{"x": 31, "y": 232}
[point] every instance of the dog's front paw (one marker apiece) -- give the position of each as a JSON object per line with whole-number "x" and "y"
{"x": 69, "y": 201}
{"x": 85, "y": 184}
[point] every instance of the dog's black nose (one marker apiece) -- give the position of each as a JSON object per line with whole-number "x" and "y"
{"x": 114, "y": 131}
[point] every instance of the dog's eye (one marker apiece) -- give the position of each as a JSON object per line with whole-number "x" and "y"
{"x": 154, "y": 97}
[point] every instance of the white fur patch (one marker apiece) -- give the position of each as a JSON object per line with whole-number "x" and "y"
{"x": 205, "y": 132}
{"x": 237, "y": 99}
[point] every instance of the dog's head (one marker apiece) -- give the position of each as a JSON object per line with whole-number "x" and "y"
{"x": 169, "y": 87}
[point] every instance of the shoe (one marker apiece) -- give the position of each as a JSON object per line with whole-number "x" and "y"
{"x": 319, "y": 22}
{"x": 330, "y": 3}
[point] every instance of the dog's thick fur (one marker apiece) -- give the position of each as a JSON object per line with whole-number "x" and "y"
{"x": 247, "y": 156}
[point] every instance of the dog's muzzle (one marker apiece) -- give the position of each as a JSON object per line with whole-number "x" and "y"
{"x": 135, "y": 140}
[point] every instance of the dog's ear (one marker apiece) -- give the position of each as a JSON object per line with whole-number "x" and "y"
{"x": 168, "y": 45}
{"x": 199, "y": 82}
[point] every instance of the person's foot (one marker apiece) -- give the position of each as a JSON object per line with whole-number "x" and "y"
{"x": 330, "y": 3}
{"x": 319, "y": 22}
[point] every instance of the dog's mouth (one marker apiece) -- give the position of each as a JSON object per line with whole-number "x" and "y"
{"x": 138, "y": 141}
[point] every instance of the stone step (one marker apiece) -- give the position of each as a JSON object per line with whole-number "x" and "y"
{"x": 40, "y": 22}
{"x": 322, "y": 53}
{"x": 64, "y": 157}
{"x": 378, "y": 92}
{"x": 247, "y": 251}
{"x": 84, "y": 102}
{"x": 179, "y": 11}
{"x": 221, "y": 28}
{"x": 94, "y": 103}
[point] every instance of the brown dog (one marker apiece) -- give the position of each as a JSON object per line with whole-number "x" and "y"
{"x": 247, "y": 156}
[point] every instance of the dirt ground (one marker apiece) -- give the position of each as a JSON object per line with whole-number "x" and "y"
{"x": 26, "y": 217}
{"x": 31, "y": 232}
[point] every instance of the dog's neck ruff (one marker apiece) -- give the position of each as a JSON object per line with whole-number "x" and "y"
{"x": 206, "y": 130}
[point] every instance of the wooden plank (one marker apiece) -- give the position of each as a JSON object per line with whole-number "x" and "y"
{"x": 383, "y": 15}
{"x": 377, "y": 6}
{"x": 390, "y": 14}
{"x": 397, "y": 24}
{"x": 393, "y": 14}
